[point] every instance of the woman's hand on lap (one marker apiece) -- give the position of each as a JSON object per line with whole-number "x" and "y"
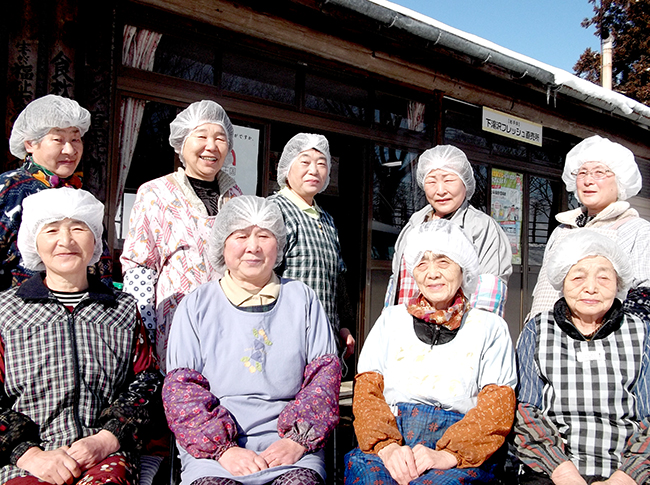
{"x": 400, "y": 463}
{"x": 426, "y": 459}
{"x": 89, "y": 451}
{"x": 55, "y": 466}
{"x": 283, "y": 452}
{"x": 240, "y": 461}
{"x": 567, "y": 474}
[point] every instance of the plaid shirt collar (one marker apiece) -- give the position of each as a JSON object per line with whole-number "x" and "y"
{"x": 35, "y": 290}
{"x": 312, "y": 211}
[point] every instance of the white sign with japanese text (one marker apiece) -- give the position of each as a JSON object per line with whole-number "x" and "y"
{"x": 512, "y": 127}
{"x": 243, "y": 166}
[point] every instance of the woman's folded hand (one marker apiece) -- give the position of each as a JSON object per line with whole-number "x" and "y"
{"x": 55, "y": 466}
{"x": 426, "y": 459}
{"x": 400, "y": 463}
{"x": 240, "y": 461}
{"x": 283, "y": 452}
{"x": 89, "y": 451}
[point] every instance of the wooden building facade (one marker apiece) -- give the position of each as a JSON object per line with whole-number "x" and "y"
{"x": 382, "y": 85}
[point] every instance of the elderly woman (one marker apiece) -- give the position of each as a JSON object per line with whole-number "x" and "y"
{"x": 584, "y": 401}
{"x": 603, "y": 175}
{"x": 313, "y": 253}
{"x": 47, "y": 137}
{"x": 165, "y": 253}
{"x": 79, "y": 380}
{"x": 447, "y": 178}
{"x": 434, "y": 398}
{"x": 253, "y": 382}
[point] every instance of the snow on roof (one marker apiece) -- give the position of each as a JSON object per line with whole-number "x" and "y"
{"x": 563, "y": 81}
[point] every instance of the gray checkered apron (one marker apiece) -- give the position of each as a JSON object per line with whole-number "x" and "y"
{"x": 588, "y": 391}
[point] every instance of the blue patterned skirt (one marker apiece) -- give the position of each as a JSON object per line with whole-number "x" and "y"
{"x": 418, "y": 424}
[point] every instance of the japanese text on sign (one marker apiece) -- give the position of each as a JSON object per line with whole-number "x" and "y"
{"x": 512, "y": 127}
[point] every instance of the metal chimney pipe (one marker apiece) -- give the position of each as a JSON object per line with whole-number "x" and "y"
{"x": 607, "y": 46}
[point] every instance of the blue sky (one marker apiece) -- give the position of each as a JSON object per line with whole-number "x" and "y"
{"x": 546, "y": 30}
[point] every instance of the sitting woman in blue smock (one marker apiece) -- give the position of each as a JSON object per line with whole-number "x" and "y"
{"x": 253, "y": 378}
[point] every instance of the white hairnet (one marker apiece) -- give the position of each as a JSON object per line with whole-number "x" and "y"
{"x": 450, "y": 159}
{"x": 618, "y": 159}
{"x": 242, "y": 212}
{"x": 294, "y": 147}
{"x": 578, "y": 245}
{"x": 443, "y": 237}
{"x": 195, "y": 115}
{"x": 43, "y": 114}
{"x": 52, "y": 205}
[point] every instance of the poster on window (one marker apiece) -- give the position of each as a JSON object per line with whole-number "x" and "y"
{"x": 242, "y": 166}
{"x": 506, "y": 207}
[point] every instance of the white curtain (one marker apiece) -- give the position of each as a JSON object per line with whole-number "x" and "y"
{"x": 138, "y": 50}
{"x": 415, "y": 120}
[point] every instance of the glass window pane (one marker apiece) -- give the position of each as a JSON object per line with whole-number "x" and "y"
{"x": 480, "y": 197}
{"x": 540, "y": 218}
{"x": 546, "y": 156}
{"x": 510, "y": 150}
{"x": 400, "y": 113}
{"x": 185, "y": 60}
{"x": 644, "y": 168}
{"x": 257, "y": 77}
{"x": 574, "y": 203}
{"x": 396, "y": 196}
{"x": 335, "y": 97}
{"x": 153, "y": 156}
{"x": 457, "y": 135}
{"x": 462, "y": 125}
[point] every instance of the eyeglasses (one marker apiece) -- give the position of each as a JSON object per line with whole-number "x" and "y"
{"x": 598, "y": 174}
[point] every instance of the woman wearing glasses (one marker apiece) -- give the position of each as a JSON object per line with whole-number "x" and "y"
{"x": 603, "y": 175}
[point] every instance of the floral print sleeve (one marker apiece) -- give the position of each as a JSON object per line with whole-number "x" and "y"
{"x": 374, "y": 423}
{"x": 312, "y": 415}
{"x": 483, "y": 430}
{"x": 201, "y": 425}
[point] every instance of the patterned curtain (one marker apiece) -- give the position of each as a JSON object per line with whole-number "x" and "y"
{"x": 415, "y": 116}
{"x": 138, "y": 50}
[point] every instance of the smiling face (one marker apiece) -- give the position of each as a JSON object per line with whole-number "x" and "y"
{"x": 205, "y": 150}
{"x": 66, "y": 247}
{"x": 59, "y": 151}
{"x": 307, "y": 174}
{"x": 445, "y": 191}
{"x": 590, "y": 288}
{"x": 438, "y": 279}
{"x": 250, "y": 255}
{"x": 595, "y": 195}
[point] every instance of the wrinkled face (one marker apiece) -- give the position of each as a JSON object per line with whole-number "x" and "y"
{"x": 59, "y": 151}
{"x": 590, "y": 288}
{"x": 250, "y": 255}
{"x": 66, "y": 247}
{"x": 438, "y": 279}
{"x": 307, "y": 174}
{"x": 594, "y": 194}
{"x": 205, "y": 151}
{"x": 444, "y": 190}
